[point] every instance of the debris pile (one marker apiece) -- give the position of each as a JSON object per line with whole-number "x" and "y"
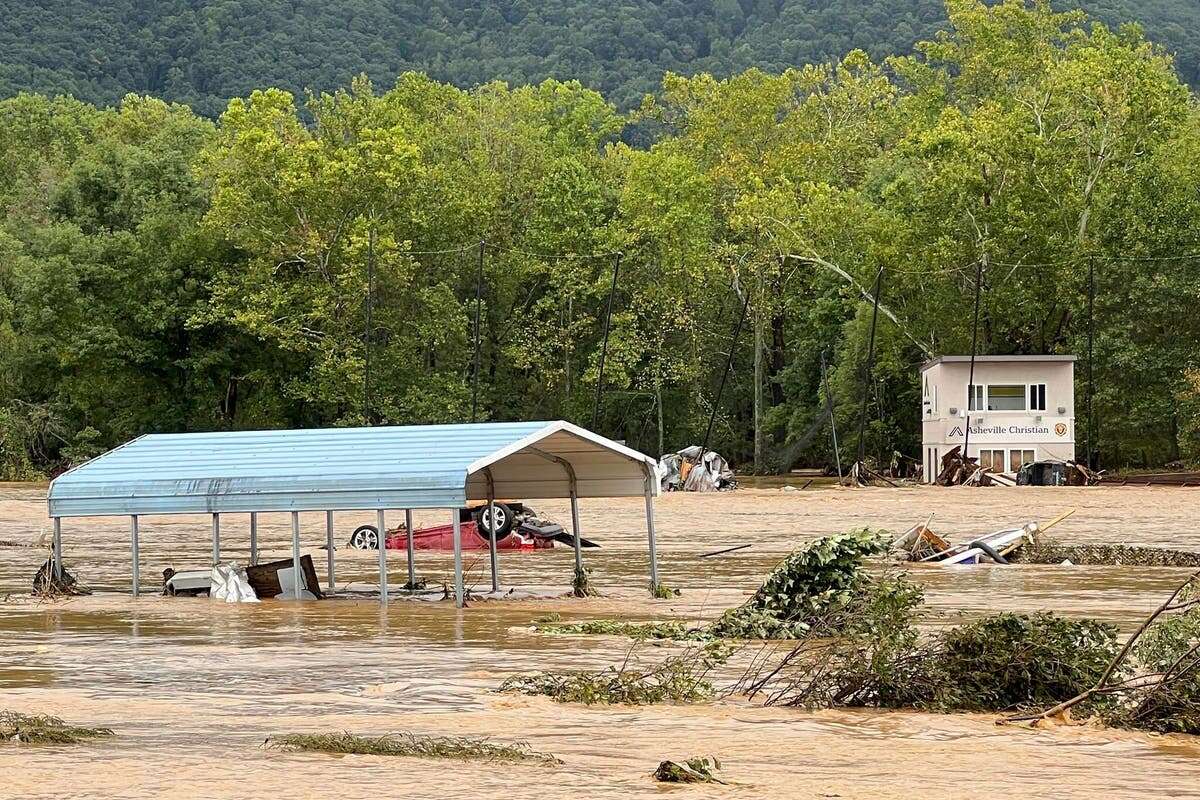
{"x": 49, "y": 583}
{"x": 921, "y": 544}
{"x": 694, "y": 469}
{"x": 700, "y": 769}
{"x": 233, "y": 584}
{"x": 960, "y": 470}
{"x": 862, "y": 473}
{"x": 1057, "y": 473}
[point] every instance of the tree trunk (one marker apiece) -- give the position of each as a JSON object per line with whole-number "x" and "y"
{"x": 777, "y": 358}
{"x": 758, "y": 392}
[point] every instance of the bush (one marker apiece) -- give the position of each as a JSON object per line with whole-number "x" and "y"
{"x": 821, "y": 584}
{"x": 1010, "y": 661}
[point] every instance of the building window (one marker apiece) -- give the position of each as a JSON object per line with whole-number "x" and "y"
{"x": 1018, "y": 458}
{"x": 1037, "y": 397}
{"x": 1006, "y": 398}
{"x": 975, "y": 398}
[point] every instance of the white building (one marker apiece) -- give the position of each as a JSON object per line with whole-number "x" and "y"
{"x": 1022, "y": 409}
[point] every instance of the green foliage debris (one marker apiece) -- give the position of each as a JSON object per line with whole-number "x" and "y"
{"x": 701, "y": 769}
{"x": 457, "y": 748}
{"x": 681, "y": 678}
{"x": 39, "y": 729}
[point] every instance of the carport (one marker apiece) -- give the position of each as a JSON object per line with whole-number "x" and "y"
{"x": 382, "y": 469}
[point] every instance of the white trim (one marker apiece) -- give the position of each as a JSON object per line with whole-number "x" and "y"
{"x": 549, "y": 430}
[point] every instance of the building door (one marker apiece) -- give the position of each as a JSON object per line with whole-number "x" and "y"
{"x": 1017, "y": 458}
{"x": 992, "y": 459}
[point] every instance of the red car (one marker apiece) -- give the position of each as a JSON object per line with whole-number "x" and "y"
{"x": 518, "y": 527}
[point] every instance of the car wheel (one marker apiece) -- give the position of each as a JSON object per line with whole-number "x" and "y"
{"x": 365, "y": 537}
{"x": 502, "y": 523}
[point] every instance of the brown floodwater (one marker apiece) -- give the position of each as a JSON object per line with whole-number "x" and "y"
{"x": 192, "y": 687}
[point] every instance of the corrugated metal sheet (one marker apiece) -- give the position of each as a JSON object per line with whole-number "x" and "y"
{"x": 419, "y": 466}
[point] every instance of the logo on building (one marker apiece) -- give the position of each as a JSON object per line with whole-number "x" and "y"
{"x": 956, "y": 432}
{"x": 1060, "y": 429}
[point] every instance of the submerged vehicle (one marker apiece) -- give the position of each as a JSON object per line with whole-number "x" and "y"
{"x": 517, "y": 526}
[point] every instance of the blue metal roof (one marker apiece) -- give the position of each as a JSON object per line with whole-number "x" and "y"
{"x": 419, "y": 466}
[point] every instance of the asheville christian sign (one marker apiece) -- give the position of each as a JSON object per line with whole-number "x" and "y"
{"x": 1049, "y": 430}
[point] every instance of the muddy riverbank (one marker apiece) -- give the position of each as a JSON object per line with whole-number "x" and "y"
{"x": 193, "y": 687}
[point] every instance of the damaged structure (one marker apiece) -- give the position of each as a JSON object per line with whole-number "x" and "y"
{"x": 1017, "y": 410}
{"x": 328, "y": 470}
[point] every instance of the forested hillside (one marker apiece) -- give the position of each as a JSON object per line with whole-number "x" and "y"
{"x": 202, "y": 52}
{"x": 164, "y": 271}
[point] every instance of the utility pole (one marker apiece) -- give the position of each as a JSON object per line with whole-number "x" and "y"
{"x": 604, "y": 345}
{"x": 862, "y": 421}
{"x": 974, "y": 343}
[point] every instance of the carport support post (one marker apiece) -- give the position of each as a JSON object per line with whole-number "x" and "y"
{"x": 253, "y": 538}
{"x": 408, "y": 531}
{"x": 575, "y": 532}
{"x": 133, "y": 546}
{"x": 650, "y": 532}
{"x": 458, "y": 575}
{"x": 491, "y": 512}
{"x": 216, "y": 528}
{"x": 381, "y": 526}
{"x": 298, "y": 577}
{"x": 329, "y": 549}
{"x": 56, "y": 549}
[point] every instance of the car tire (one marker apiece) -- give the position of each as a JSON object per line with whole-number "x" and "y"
{"x": 504, "y": 515}
{"x": 365, "y": 537}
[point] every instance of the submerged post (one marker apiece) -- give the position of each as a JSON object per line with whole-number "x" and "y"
{"x": 575, "y": 532}
{"x": 381, "y": 526}
{"x": 650, "y": 530}
{"x": 253, "y": 538}
{"x": 458, "y": 573}
{"x": 298, "y": 578}
{"x": 56, "y": 549}
{"x": 408, "y": 534}
{"x": 491, "y": 516}
{"x": 133, "y": 546}
{"x": 330, "y": 583}
{"x": 216, "y": 537}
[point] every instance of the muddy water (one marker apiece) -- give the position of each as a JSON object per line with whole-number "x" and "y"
{"x": 193, "y": 687}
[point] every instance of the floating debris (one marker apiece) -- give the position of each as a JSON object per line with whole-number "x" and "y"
{"x": 671, "y": 630}
{"x": 700, "y": 769}
{"x": 48, "y": 585}
{"x": 413, "y": 745}
{"x": 37, "y": 729}
{"x": 1122, "y": 555}
{"x": 678, "y": 679}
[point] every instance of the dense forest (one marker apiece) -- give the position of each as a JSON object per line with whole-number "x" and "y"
{"x": 203, "y": 52}
{"x": 306, "y": 262}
